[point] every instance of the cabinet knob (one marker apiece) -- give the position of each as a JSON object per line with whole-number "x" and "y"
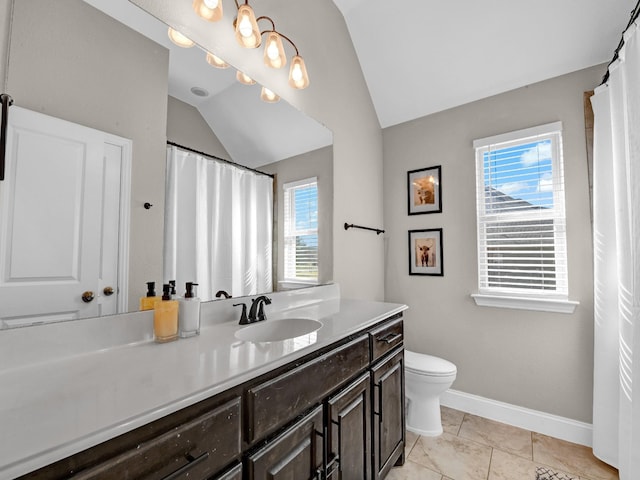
{"x": 87, "y": 296}
{"x": 108, "y": 291}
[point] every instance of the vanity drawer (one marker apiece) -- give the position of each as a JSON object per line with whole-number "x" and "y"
{"x": 386, "y": 337}
{"x": 277, "y": 401}
{"x": 195, "y": 450}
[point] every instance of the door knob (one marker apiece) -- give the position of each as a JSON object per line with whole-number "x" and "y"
{"x": 87, "y": 296}
{"x": 108, "y": 291}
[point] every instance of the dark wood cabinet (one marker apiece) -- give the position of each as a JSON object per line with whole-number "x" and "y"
{"x": 335, "y": 414}
{"x": 388, "y": 413}
{"x": 194, "y": 443}
{"x": 274, "y": 402}
{"x": 297, "y": 453}
{"x": 234, "y": 473}
{"x": 349, "y": 432}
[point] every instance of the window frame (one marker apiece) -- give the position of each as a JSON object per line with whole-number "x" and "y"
{"x": 289, "y": 214}
{"x": 555, "y": 300}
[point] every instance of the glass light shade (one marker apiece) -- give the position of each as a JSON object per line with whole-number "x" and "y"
{"x": 210, "y": 10}
{"x": 247, "y": 31}
{"x": 274, "y": 51}
{"x": 244, "y": 78}
{"x": 268, "y": 96}
{"x": 215, "y": 61}
{"x": 298, "y": 76}
{"x": 179, "y": 39}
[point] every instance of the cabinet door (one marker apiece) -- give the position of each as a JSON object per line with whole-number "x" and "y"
{"x": 234, "y": 474}
{"x": 295, "y": 454}
{"x": 349, "y": 432}
{"x": 388, "y": 413}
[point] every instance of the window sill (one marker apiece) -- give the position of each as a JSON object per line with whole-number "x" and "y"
{"x": 525, "y": 303}
{"x": 295, "y": 284}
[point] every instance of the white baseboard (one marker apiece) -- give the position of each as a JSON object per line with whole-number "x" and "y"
{"x": 534, "y": 420}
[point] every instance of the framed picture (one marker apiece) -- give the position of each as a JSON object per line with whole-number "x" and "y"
{"x": 424, "y": 188}
{"x": 425, "y": 252}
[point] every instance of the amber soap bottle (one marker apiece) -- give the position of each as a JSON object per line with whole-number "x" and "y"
{"x": 165, "y": 317}
{"x": 148, "y": 302}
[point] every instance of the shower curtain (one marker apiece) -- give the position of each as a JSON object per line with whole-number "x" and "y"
{"x": 616, "y": 197}
{"x": 218, "y": 226}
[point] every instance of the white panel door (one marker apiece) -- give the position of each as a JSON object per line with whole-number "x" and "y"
{"x": 59, "y": 217}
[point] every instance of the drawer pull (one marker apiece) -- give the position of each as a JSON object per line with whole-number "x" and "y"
{"x": 192, "y": 463}
{"x": 332, "y": 467}
{"x": 390, "y": 338}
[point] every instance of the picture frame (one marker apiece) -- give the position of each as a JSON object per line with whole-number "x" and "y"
{"x": 425, "y": 252}
{"x": 424, "y": 190}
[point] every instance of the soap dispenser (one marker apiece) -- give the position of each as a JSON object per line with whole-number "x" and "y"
{"x": 165, "y": 317}
{"x": 189, "y": 312}
{"x": 148, "y": 302}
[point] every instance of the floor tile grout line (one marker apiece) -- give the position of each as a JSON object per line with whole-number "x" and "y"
{"x": 460, "y": 426}
{"x": 412, "y": 447}
{"x": 531, "y": 435}
{"x": 490, "y": 462}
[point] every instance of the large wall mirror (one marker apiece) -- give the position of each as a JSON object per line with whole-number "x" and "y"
{"x": 108, "y": 65}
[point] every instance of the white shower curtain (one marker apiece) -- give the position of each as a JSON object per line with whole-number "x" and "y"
{"x": 218, "y": 226}
{"x": 616, "y": 197}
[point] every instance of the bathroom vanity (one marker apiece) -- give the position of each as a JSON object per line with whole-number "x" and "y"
{"x": 328, "y": 404}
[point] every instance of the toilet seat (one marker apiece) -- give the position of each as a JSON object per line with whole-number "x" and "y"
{"x": 428, "y": 365}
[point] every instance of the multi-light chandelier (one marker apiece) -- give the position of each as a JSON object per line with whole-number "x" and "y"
{"x": 248, "y": 35}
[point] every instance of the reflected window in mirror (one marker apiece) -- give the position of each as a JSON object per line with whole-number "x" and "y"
{"x": 301, "y": 231}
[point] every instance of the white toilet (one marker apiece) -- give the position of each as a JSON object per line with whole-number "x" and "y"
{"x": 426, "y": 378}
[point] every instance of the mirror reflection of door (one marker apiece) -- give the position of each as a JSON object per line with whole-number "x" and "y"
{"x": 60, "y": 217}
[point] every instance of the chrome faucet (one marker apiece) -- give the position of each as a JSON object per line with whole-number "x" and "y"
{"x": 256, "y": 313}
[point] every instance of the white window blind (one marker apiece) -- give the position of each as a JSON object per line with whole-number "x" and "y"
{"x": 301, "y": 230}
{"x": 521, "y": 215}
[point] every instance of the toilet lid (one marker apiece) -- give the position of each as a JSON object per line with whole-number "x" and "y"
{"x": 427, "y": 364}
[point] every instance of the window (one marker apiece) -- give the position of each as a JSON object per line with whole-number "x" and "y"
{"x": 301, "y": 231}
{"x": 521, "y": 218}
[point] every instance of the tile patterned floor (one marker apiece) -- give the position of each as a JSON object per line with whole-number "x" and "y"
{"x": 475, "y": 448}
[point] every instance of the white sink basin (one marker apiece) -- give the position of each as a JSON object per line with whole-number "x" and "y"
{"x": 276, "y": 330}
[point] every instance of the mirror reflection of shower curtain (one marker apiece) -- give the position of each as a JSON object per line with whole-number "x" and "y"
{"x": 218, "y": 226}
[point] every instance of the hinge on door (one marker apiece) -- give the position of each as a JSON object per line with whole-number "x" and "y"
{"x": 6, "y": 101}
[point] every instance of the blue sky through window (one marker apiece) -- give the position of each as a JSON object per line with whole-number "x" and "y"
{"x": 306, "y": 208}
{"x": 522, "y": 172}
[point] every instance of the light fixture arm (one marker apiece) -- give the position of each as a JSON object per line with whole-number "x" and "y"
{"x": 273, "y": 29}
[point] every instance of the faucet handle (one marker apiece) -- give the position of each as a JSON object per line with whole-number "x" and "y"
{"x": 243, "y": 316}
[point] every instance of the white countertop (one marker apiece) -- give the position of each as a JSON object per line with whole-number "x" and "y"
{"x": 53, "y": 408}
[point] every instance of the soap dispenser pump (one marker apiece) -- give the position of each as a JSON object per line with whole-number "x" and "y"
{"x": 165, "y": 317}
{"x": 148, "y": 302}
{"x": 189, "y": 312}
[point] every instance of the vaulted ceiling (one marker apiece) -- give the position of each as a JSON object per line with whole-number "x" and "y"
{"x": 423, "y": 56}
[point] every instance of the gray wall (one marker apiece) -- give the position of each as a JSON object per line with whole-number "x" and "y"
{"x": 542, "y": 361}
{"x": 71, "y": 61}
{"x": 186, "y": 127}
{"x": 318, "y": 163}
{"x": 338, "y": 98}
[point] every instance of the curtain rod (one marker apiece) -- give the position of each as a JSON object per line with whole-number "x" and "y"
{"x": 634, "y": 16}
{"x": 213, "y": 157}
